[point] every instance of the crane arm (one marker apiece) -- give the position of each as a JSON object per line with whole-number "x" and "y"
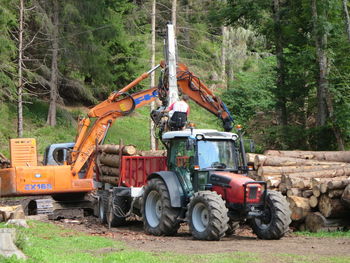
{"x": 117, "y": 105}
{"x": 191, "y": 85}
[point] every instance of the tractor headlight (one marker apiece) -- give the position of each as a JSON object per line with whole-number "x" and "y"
{"x": 199, "y": 137}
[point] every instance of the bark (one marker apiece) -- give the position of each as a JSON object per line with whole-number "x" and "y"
{"x": 51, "y": 118}
{"x": 111, "y": 160}
{"x": 269, "y": 160}
{"x": 307, "y": 193}
{"x": 281, "y": 98}
{"x": 347, "y": 18}
{"x": 345, "y": 198}
{"x": 320, "y": 174}
{"x": 336, "y": 156}
{"x": 339, "y": 184}
{"x": 316, "y": 190}
{"x": 110, "y": 171}
{"x": 20, "y": 71}
{"x": 115, "y": 148}
{"x": 337, "y": 193}
{"x": 173, "y": 14}
{"x": 279, "y": 170}
{"x": 299, "y": 206}
{"x": 331, "y": 207}
{"x": 316, "y": 222}
{"x": 294, "y": 192}
{"x": 223, "y": 56}
{"x": 109, "y": 179}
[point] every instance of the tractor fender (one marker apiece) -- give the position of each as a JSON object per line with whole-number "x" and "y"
{"x": 173, "y": 184}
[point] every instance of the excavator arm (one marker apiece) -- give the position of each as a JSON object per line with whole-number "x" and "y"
{"x": 191, "y": 85}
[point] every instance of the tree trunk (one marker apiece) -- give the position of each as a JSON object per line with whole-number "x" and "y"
{"x": 347, "y": 18}
{"x": 173, "y": 14}
{"x": 321, "y": 45}
{"x": 281, "y": 98}
{"x": 153, "y": 51}
{"x": 223, "y": 56}
{"x": 20, "y": 71}
{"x": 336, "y": 156}
{"x": 111, "y": 160}
{"x": 345, "y": 198}
{"x": 51, "y": 118}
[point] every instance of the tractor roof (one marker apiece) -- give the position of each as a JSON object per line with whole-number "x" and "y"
{"x": 208, "y": 134}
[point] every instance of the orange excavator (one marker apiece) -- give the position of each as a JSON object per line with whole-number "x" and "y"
{"x": 25, "y": 177}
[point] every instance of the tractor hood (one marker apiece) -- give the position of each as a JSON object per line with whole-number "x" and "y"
{"x": 231, "y": 186}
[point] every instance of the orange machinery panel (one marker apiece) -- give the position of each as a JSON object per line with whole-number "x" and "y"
{"x": 39, "y": 180}
{"x": 23, "y": 152}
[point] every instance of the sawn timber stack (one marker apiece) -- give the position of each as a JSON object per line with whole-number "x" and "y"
{"x": 317, "y": 185}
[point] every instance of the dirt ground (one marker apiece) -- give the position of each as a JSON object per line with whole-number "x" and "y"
{"x": 243, "y": 241}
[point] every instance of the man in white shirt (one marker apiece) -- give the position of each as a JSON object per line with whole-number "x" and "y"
{"x": 178, "y": 112}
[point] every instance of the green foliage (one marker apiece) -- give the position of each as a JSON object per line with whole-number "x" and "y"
{"x": 251, "y": 90}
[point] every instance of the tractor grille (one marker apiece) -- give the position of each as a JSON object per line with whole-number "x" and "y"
{"x": 253, "y": 191}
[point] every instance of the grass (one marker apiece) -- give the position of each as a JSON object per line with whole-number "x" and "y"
{"x": 133, "y": 129}
{"x": 334, "y": 234}
{"x": 44, "y": 242}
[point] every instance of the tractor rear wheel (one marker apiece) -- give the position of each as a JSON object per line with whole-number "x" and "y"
{"x": 118, "y": 208}
{"x": 276, "y": 219}
{"x": 207, "y": 215}
{"x": 103, "y": 206}
{"x": 159, "y": 218}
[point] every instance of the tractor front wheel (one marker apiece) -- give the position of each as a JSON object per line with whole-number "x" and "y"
{"x": 276, "y": 218}
{"x": 159, "y": 218}
{"x": 207, "y": 215}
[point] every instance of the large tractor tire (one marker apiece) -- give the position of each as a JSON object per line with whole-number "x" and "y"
{"x": 207, "y": 216}
{"x": 159, "y": 218}
{"x": 275, "y": 223}
{"x": 118, "y": 207}
{"x": 232, "y": 226}
{"x": 103, "y": 206}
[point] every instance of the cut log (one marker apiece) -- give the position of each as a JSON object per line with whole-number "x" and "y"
{"x": 299, "y": 206}
{"x": 259, "y": 161}
{"x": 316, "y": 190}
{"x": 313, "y": 201}
{"x": 323, "y": 188}
{"x": 273, "y": 183}
{"x": 115, "y": 148}
{"x": 109, "y": 159}
{"x": 345, "y": 198}
{"x": 316, "y": 222}
{"x": 262, "y": 170}
{"x": 153, "y": 153}
{"x": 271, "y": 176}
{"x": 110, "y": 171}
{"x": 307, "y": 193}
{"x": 331, "y": 207}
{"x": 251, "y": 157}
{"x": 340, "y": 172}
{"x": 109, "y": 179}
{"x": 335, "y": 193}
{"x": 318, "y": 181}
{"x": 338, "y": 156}
{"x": 294, "y": 192}
{"x": 339, "y": 184}
{"x": 292, "y": 182}
{"x": 269, "y": 160}
{"x": 282, "y": 188}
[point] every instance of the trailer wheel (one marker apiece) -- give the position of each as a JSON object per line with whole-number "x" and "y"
{"x": 103, "y": 206}
{"x": 275, "y": 222}
{"x": 159, "y": 218}
{"x": 207, "y": 215}
{"x": 118, "y": 207}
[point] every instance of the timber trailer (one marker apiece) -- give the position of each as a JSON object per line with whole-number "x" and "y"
{"x": 203, "y": 181}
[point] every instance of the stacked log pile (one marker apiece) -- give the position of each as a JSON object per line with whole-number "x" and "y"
{"x": 109, "y": 156}
{"x": 316, "y": 184}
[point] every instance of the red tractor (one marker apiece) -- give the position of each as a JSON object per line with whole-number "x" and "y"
{"x": 206, "y": 185}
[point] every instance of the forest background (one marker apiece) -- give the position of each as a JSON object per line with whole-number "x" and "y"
{"x": 281, "y": 66}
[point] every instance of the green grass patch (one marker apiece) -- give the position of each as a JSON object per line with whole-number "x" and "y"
{"x": 335, "y": 234}
{"x": 292, "y": 258}
{"x": 44, "y": 242}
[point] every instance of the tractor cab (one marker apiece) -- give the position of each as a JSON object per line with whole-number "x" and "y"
{"x": 195, "y": 154}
